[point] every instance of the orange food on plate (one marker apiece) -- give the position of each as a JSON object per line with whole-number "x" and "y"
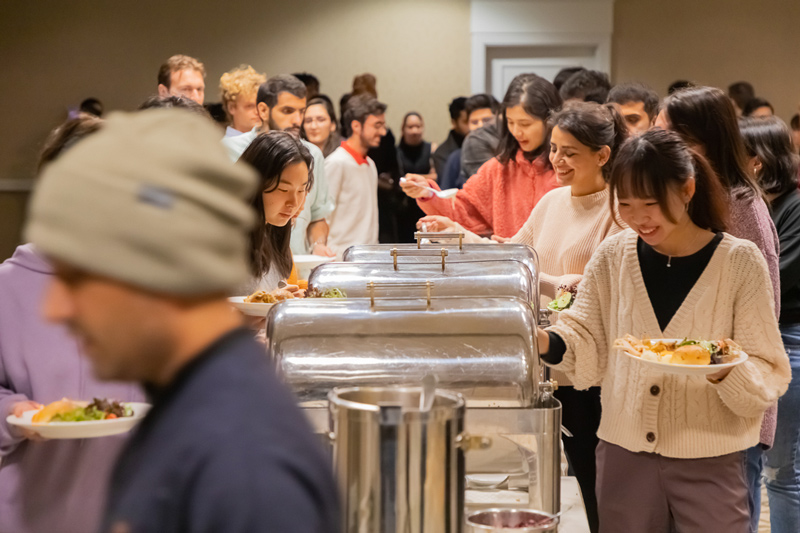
{"x": 302, "y": 284}
{"x": 261, "y": 297}
{"x": 292, "y": 279}
{"x": 47, "y": 412}
{"x": 66, "y": 410}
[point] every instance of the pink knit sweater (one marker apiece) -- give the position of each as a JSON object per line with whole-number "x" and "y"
{"x": 750, "y": 220}
{"x": 498, "y": 199}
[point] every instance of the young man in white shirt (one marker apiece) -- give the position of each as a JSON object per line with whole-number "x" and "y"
{"x": 353, "y": 177}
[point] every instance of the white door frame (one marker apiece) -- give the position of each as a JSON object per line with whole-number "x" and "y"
{"x": 553, "y": 23}
{"x": 500, "y": 82}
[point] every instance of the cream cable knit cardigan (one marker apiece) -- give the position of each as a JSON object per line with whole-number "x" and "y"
{"x": 684, "y": 416}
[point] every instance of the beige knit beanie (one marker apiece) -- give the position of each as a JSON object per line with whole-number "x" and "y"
{"x": 151, "y": 200}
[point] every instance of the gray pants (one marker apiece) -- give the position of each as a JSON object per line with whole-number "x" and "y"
{"x": 649, "y": 493}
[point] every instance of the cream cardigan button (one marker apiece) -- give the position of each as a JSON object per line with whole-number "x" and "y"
{"x": 654, "y": 390}
{"x": 651, "y": 437}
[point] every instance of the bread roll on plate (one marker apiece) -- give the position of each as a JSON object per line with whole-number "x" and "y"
{"x": 692, "y": 354}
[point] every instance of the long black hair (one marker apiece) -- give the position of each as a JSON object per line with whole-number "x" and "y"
{"x": 704, "y": 116}
{"x": 657, "y": 162}
{"x": 270, "y": 153}
{"x": 769, "y": 139}
{"x": 593, "y": 125}
{"x": 539, "y": 98}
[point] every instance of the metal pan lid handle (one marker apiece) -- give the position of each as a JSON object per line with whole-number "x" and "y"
{"x": 421, "y": 235}
{"x": 395, "y": 253}
{"x": 373, "y": 286}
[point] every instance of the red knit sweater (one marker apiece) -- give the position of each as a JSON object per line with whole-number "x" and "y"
{"x": 498, "y": 199}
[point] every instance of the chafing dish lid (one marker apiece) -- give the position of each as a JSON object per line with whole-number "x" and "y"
{"x": 484, "y": 348}
{"x": 474, "y": 278}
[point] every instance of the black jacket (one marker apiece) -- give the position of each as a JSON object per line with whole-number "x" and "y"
{"x": 786, "y": 216}
{"x": 224, "y": 448}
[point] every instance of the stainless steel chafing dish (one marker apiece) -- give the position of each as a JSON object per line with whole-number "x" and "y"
{"x": 509, "y": 279}
{"x": 482, "y": 347}
{"x": 456, "y": 252}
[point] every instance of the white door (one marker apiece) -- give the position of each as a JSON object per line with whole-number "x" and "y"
{"x": 503, "y": 70}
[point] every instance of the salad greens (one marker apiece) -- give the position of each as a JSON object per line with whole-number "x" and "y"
{"x": 565, "y": 296}
{"x": 314, "y": 292}
{"x": 97, "y": 410}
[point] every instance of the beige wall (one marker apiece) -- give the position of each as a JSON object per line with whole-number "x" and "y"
{"x": 55, "y": 53}
{"x": 712, "y": 42}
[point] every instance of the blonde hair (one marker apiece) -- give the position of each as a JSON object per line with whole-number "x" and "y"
{"x": 177, "y": 63}
{"x": 243, "y": 80}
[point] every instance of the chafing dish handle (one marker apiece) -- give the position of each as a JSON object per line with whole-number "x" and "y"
{"x": 421, "y": 235}
{"x": 372, "y": 286}
{"x": 395, "y": 253}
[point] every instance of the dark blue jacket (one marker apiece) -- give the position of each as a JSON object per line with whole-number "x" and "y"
{"x": 224, "y": 449}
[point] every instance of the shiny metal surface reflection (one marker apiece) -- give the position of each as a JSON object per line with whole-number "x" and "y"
{"x": 401, "y": 470}
{"x": 483, "y": 348}
{"x": 510, "y": 278}
{"x": 382, "y": 253}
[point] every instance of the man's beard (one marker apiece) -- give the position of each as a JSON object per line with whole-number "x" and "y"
{"x": 366, "y": 142}
{"x": 294, "y": 130}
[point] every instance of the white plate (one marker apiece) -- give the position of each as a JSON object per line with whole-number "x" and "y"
{"x": 306, "y": 263}
{"x": 249, "y": 308}
{"x": 81, "y": 430}
{"x": 691, "y": 370}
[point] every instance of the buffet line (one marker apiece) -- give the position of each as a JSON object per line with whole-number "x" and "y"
{"x": 426, "y": 385}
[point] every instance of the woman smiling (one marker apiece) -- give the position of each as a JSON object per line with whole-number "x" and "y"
{"x": 671, "y": 446}
{"x": 499, "y": 198}
{"x": 565, "y": 228}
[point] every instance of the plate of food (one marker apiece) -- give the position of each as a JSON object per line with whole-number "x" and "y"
{"x": 260, "y": 302}
{"x": 683, "y": 356}
{"x": 565, "y": 296}
{"x": 69, "y": 419}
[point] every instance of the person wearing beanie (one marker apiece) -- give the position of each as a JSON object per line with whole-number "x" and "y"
{"x": 146, "y": 224}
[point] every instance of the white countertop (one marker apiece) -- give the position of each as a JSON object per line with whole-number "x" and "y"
{"x": 573, "y": 514}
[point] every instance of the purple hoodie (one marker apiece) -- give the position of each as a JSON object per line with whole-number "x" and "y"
{"x": 57, "y": 485}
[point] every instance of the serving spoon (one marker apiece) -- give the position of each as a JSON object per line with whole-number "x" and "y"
{"x": 447, "y": 193}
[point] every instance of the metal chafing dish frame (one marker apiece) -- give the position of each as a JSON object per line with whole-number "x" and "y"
{"x": 534, "y": 432}
{"x": 510, "y": 278}
{"x": 407, "y": 321}
{"x": 525, "y": 437}
{"x": 455, "y": 253}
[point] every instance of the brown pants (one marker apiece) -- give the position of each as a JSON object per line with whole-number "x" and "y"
{"x": 648, "y": 493}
